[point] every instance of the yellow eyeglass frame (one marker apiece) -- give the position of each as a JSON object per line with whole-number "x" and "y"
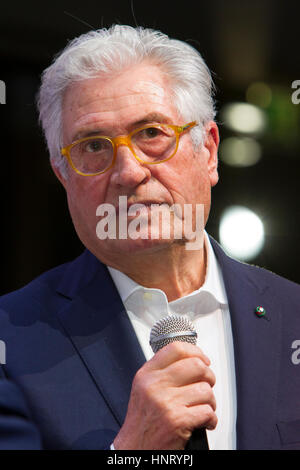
{"x": 125, "y": 140}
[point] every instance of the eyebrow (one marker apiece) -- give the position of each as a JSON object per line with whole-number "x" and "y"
{"x": 151, "y": 117}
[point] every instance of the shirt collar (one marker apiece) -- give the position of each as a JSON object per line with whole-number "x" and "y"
{"x": 206, "y": 299}
{"x": 213, "y": 283}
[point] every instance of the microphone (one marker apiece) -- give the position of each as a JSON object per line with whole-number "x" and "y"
{"x": 165, "y": 331}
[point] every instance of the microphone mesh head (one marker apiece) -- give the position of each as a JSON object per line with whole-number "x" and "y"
{"x": 172, "y": 328}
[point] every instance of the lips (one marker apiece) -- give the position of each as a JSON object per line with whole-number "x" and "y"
{"x": 147, "y": 204}
{"x": 143, "y": 209}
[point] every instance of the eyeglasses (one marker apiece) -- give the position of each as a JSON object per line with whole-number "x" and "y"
{"x": 151, "y": 144}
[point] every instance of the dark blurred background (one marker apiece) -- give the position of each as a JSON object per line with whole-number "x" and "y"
{"x": 252, "y": 47}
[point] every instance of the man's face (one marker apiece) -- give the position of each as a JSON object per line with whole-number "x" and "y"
{"x": 116, "y": 106}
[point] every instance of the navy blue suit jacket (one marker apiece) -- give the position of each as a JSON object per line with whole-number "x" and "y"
{"x": 71, "y": 355}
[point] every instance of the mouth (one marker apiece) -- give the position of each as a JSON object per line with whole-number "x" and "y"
{"x": 146, "y": 206}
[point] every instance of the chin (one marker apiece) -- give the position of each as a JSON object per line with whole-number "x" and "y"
{"x": 129, "y": 247}
{"x": 139, "y": 245}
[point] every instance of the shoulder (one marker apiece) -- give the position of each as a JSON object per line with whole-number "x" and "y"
{"x": 48, "y": 291}
{"x": 45, "y": 283}
{"x": 263, "y": 279}
{"x": 283, "y": 292}
{"x": 263, "y": 275}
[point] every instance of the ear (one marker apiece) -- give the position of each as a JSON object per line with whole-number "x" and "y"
{"x": 211, "y": 143}
{"x": 58, "y": 174}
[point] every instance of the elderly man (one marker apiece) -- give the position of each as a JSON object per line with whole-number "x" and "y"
{"x": 129, "y": 119}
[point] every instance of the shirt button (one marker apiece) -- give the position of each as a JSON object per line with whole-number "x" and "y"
{"x": 147, "y": 296}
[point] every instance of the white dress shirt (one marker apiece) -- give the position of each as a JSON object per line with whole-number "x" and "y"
{"x": 207, "y": 308}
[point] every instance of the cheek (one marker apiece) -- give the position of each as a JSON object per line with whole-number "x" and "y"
{"x": 84, "y": 196}
{"x": 194, "y": 172}
{"x": 186, "y": 178}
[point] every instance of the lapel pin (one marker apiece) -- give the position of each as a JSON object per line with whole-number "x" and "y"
{"x": 261, "y": 312}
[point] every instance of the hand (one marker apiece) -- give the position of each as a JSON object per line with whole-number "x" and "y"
{"x": 171, "y": 396}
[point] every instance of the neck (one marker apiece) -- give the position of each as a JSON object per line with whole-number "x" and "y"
{"x": 176, "y": 271}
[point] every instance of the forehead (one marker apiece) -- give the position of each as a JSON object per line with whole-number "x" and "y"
{"x": 118, "y": 100}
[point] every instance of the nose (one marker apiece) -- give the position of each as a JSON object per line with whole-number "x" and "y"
{"x": 127, "y": 170}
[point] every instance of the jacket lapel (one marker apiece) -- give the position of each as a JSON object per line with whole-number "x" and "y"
{"x": 99, "y": 328}
{"x": 256, "y": 350}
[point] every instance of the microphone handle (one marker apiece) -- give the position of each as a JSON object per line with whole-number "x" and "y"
{"x": 198, "y": 440}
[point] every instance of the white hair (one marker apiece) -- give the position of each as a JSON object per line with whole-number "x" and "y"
{"x": 108, "y": 51}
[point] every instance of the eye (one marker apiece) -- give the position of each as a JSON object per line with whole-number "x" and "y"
{"x": 151, "y": 132}
{"x": 93, "y": 146}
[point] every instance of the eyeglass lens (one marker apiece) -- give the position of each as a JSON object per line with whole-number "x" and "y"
{"x": 149, "y": 144}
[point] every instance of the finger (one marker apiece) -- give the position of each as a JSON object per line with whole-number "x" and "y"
{"x": 174, "y": 352}
{"x": 202, "y": 416}
{"x": 190, "y": 370}
{"x": 199, "y": 393}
